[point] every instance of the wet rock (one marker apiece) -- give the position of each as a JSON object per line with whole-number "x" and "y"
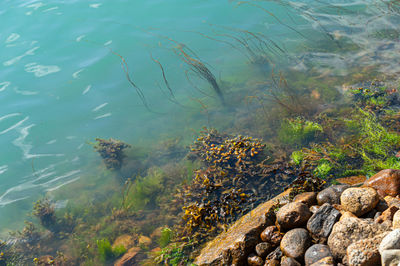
{"x": 390, "y": 257}
{"x": 254, "y": 260}
{"x": 144, "y": 241}
{"x": 263, "y": 249}
{"x": 359, "y": 200}
{"x": 396, "y": 220}
{"x": 386, "y": 182}
{"x": 346, "y": 214}
{"x": 131, "y": 257}
{"x": 331, "y": 194}
{"x": 327, "y": 261}
{"x": 234, "y": 245}
{"x": 315, "y": 253}
{"x": 350, "y": 230}
{"x": 271, "y": 235}
{"x": 321, "y": 223}
{"x": 365, "y": 252}
{"x": 275, "y": 255}
{"x": 308, "y": 198}
{"x": 387, "y": 215}
{"x": 314, "y": 208}
{"x": 391, "y": 241}
{"x": 287, "y": 261}
{"x": 272, "y": 263}
{"x": 125, "y": 240}
{"x": 293, "y": 215}
{"x": 295, "y": 243}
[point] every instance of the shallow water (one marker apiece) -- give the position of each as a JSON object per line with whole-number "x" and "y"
{"x": 62, "y": 79}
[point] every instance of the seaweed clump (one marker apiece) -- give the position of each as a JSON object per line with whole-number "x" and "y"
{"x": 111, "y": 151}
{"x": 44, "y": 210}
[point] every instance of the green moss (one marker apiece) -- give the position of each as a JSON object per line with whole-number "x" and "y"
{"x": 106, "y": 252}
{"x": 297, "y": 157}
{"x": 323, "y": 169}
{"x": 298, "y": 131}
{"x": 166, "y": 236}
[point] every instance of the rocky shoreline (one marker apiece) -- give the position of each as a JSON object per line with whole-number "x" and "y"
{"x": 344, "y": 224}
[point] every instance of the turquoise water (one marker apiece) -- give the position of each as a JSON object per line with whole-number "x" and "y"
{"x": 62, "y": 83}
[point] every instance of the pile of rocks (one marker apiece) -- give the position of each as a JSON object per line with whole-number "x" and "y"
{"x": 340, "y": 225}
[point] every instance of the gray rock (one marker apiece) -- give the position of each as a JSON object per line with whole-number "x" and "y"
{"x": 315, "y": 253}
{"x": 293, "y": 215}
{"x": 365, "y": 252}
{"x": 350, "y": 230}
{"x": 390, "y": 257}
{"x": 263, "y": 249}
{"x": 331, "y": 194}
{"x": 295, "y": 243}
{"x": 391, "y": 241}
{"x": 321, "y": 222}
{"x": 359, "y": 200}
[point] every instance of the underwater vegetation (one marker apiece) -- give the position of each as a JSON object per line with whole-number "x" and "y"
{"x": 111, "y": 151}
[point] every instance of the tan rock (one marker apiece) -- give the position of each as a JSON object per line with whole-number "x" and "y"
{"x": 387, "y": 215}
{"x": 327, "y": 261}
{"x": 359, "y": 200}
{"x": 346, "y": 214}
{"x": 365, "y": 252}
{"x": 125, "y": 240}
{"x": 396, "y": 220}
{"x": 144, "y": 241}
{"x": 392, "y": 201}
{"x": 232, "y": 246}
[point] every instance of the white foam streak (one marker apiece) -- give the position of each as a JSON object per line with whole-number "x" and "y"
{"x": 99, "y": 107}
{"x": 102, "y": 116}
{"x": 63, "y": 184}
{"x": 87, "y": 89}
{"x": 3, "y": 169}
{"x": 14, "y": 126}
{"x": 75, "y": 75}
{"x": 41, "y": 70}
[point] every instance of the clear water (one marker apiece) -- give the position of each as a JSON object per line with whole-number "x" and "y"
{"x": 62, "y": 83}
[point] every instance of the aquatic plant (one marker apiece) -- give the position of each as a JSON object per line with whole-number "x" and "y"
{"x": 166, "y": 237}
{"x": 44, "y": 210}
{"x": 111, "y": 151}
{"x": 298, "y": 131}
{"x": 107, "y": 252}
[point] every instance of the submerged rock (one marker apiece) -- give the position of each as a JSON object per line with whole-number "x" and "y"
{"x": 321, "y": 223}
{"x": 132, "y": 257}
{"x": 315, "y": 253}
{"x": 234, "y": 245}
{"x": 295, "y": 243}
{"x": 125, "y": 240}
{"x": 293, "y": 215}
{"x": 386, "y": 182}
{"x": 359, "y": 200}
{"x": 350, "y": 230}
{"x": 331, "y": 194}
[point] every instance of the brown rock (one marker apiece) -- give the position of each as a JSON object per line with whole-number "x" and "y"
{"x": 352, "y": 180}
{"x": 295, "y": 243}
{"x": 346, "y": 214}
{"x": 350, "y": 230}
{"x": 331, "y": 194}
{"x": 365, "y": 252}
{"x": 359, "y": 200}
{"x": 124, "y": 240}
{"x": 392, "y": 201}
{"x": 386, "y": 182}
{"x": 272, "y": 263}
{"x": 287, "y": 261}
{"x": 387, "y": 215}
{"x": 254, "y": 260}
{"x": 131, "y": 257}
{"x": 234, "y": 245}
{"x": 272, "y": 235}
{"x": 293, "y": 215}
{"x": 308, "y": 198}
{"x": 327, "y": 261}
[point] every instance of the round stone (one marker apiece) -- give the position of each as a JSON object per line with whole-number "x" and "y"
{"x": 263, "y": 249}
{"x": 331, "y": 194}
{"x": 295, "y": 243}
{"x": 309, "y": 198}
{"x": 287, "y": 261}
{"x": 271, "y": 235}
{"x": 359, "y": 200}
{"x": 316, "y": 252}
{"x": 254, "y": 260}
{"x": 293, "y": 215}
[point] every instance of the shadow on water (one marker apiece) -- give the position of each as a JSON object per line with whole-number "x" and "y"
{"x": 301, "y": 113}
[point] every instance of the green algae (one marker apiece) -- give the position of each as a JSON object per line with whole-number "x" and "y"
{"x": 299, "y": 131}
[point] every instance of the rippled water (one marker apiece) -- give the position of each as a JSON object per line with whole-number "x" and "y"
{"x": 63, "y": 80}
